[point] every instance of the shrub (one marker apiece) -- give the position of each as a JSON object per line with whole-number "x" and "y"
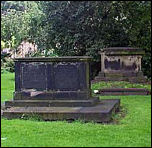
{"x": 7, "y": 65}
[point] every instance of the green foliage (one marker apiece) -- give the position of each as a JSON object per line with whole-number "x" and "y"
{"x": 84, "y": 27}
{"x": 7, "y": 65}
{"x": 45, "y": 53}
{"x": 2, "y": 44}
{"x": 32, "y": 117}
{"x": 20, "y": 20}
{"x": 80, "y": 28}
{"x": 138, "y": 25}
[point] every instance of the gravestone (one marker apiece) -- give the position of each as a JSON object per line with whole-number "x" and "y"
{"x": 57, "y": 89}
{"x": 121, "y": 64}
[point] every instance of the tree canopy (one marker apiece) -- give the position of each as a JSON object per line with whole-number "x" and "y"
{"x": 78, "y": 27}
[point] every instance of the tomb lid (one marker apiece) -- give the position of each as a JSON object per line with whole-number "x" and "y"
{"x": 123, "y": 51}
{"x": 54, "y": 59}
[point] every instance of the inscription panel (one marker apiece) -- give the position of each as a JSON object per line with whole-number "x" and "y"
{"x": 66, "y": 76}
{"x": 113, "y": 64}
{"x": 33, "y": 76}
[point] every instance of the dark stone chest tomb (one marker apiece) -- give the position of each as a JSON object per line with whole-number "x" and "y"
{"x": 52, "y": 77}
{"x": 57, "y": 89}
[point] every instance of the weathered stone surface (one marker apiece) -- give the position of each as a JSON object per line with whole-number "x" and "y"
{"x": 33, "y": 76}
{"x": 56, "y": 89}
{"x": 66, "y": 76}
{"x": 54, "y": 75}
{"x": 51, "y": 95}
{"x": 52, "y": 103}
{"x": 121, "y": 64}
{"x": 102, "y": 112}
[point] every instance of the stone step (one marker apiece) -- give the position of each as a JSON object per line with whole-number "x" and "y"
{"x": 102, "y": 112}
{"x": 109, "y": 78}
{"x": 51, "y": 103}
{"x": 124, "y": 91}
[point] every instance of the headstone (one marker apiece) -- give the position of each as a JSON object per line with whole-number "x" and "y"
{"x": 57, "y": 89}
{"x": 121, "y": 64}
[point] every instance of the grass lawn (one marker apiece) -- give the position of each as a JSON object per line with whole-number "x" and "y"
{"x": 134, "y": 130}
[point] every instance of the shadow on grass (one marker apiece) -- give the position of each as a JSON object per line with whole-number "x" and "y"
{"x": 118, "y": 115}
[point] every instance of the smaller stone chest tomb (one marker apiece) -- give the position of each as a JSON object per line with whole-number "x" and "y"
{"x": 57, "y": 89}
{"x": 121, "y": 63}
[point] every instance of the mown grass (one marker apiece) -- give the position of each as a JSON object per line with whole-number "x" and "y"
{"x": 133, "y": 130}
{"x": 7, "y": 86}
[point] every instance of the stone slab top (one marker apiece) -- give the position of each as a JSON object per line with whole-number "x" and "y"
{"x": 54, "y": 59}
{"x": 123, "y": 51}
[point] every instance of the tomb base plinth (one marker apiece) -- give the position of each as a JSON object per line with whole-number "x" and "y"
{"x": 133, "y": 77}
{"x": 101, "y": 112}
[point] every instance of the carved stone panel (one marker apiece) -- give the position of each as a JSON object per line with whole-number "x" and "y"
{"x": 33, "y": 76}
{"x": 112, "y": 64}
{"x": 66, "y": 76}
